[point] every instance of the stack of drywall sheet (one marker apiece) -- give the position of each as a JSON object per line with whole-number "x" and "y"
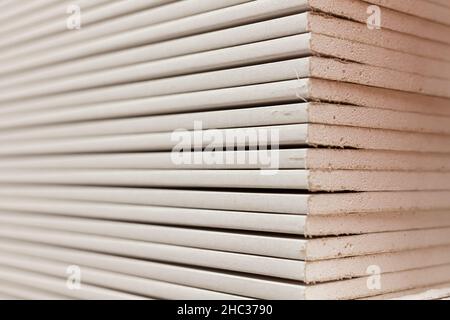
{"x": 118, "y": 179}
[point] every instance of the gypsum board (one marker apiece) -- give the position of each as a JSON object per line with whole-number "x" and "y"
{"x": 374, "y": 222}
{"x": 249, "y": 75}
{"x": 226, "y": 98}
{"x": 311, "y": 204}
{"x": 312, "y": 158}
{"x": 237, "y": 56}
{"x": 258, "y": 265}
{"x": 423, "y": 292}
{"x": 277, "y": 71}
{"x": 231, "y": 262}
{"x": 59, "y": 285}
{"x": 438, "y": 292}
{"x": 6, "y": 5}
{"x": 115, "y": 281}
{"x": 382, "y": 242}
{"x": 311, "y": 180}
{"x": 425, "y": 297}
{"x": 39, "y": 18}
{"x": 288, "y": 247}
{"x": 334, "y": 247}
{"x": 325, "y": 68}
{"x": 269, "y": 50}
{"x": 230, "y": 16}
{"x": 121, "y": 18}
{"x": 241, "y": 138}
{"x": 17, "y": 9}
{"x": 288, "y": 159}
{"x": 259, "y": 52}
{"x": 54, "y": 27}
{"x": 361, "y": 159}
{"x": 56, "y": 11}
{"x": 311, "y": 112}
{"x": 246, "y": 285}
{"x": 355, "y": 31}
{"x": 393, "y": 20}
{"x": 232, "y": 283}
{"x": 391, "y": 282}
{"x": 219, "y": 219}
{"x": 266, "y": 30}
{"x": 447, "y": 298}
{"x": 443, "y": 3}
{"x": 235, "y": 283}
{"x": 135, "y": 285}
{"x": 252, "y": 95}
{"x": 28, "y": 293}
{"x": 333, "y": 69}
{"x": 125, "y": 283}
{"x": 324, "y": 135}
{"x": 422, "y": 9}
{"x": 333, "y": 290}
{"x": 239, "y": 35}
{"x": 193, "y": 258}
{"x": 355, "y": 267}
{"x": 323, "y": 45}
{"x": 234, "y": 220}
{"x": 431, "y": 30}
{"x": 285, "y": 135}
{"x": 109, "y": 28}
{"x": 348, "y": 93}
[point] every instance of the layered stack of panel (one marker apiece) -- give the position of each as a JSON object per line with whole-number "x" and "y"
{"x": 99, "y": 200}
